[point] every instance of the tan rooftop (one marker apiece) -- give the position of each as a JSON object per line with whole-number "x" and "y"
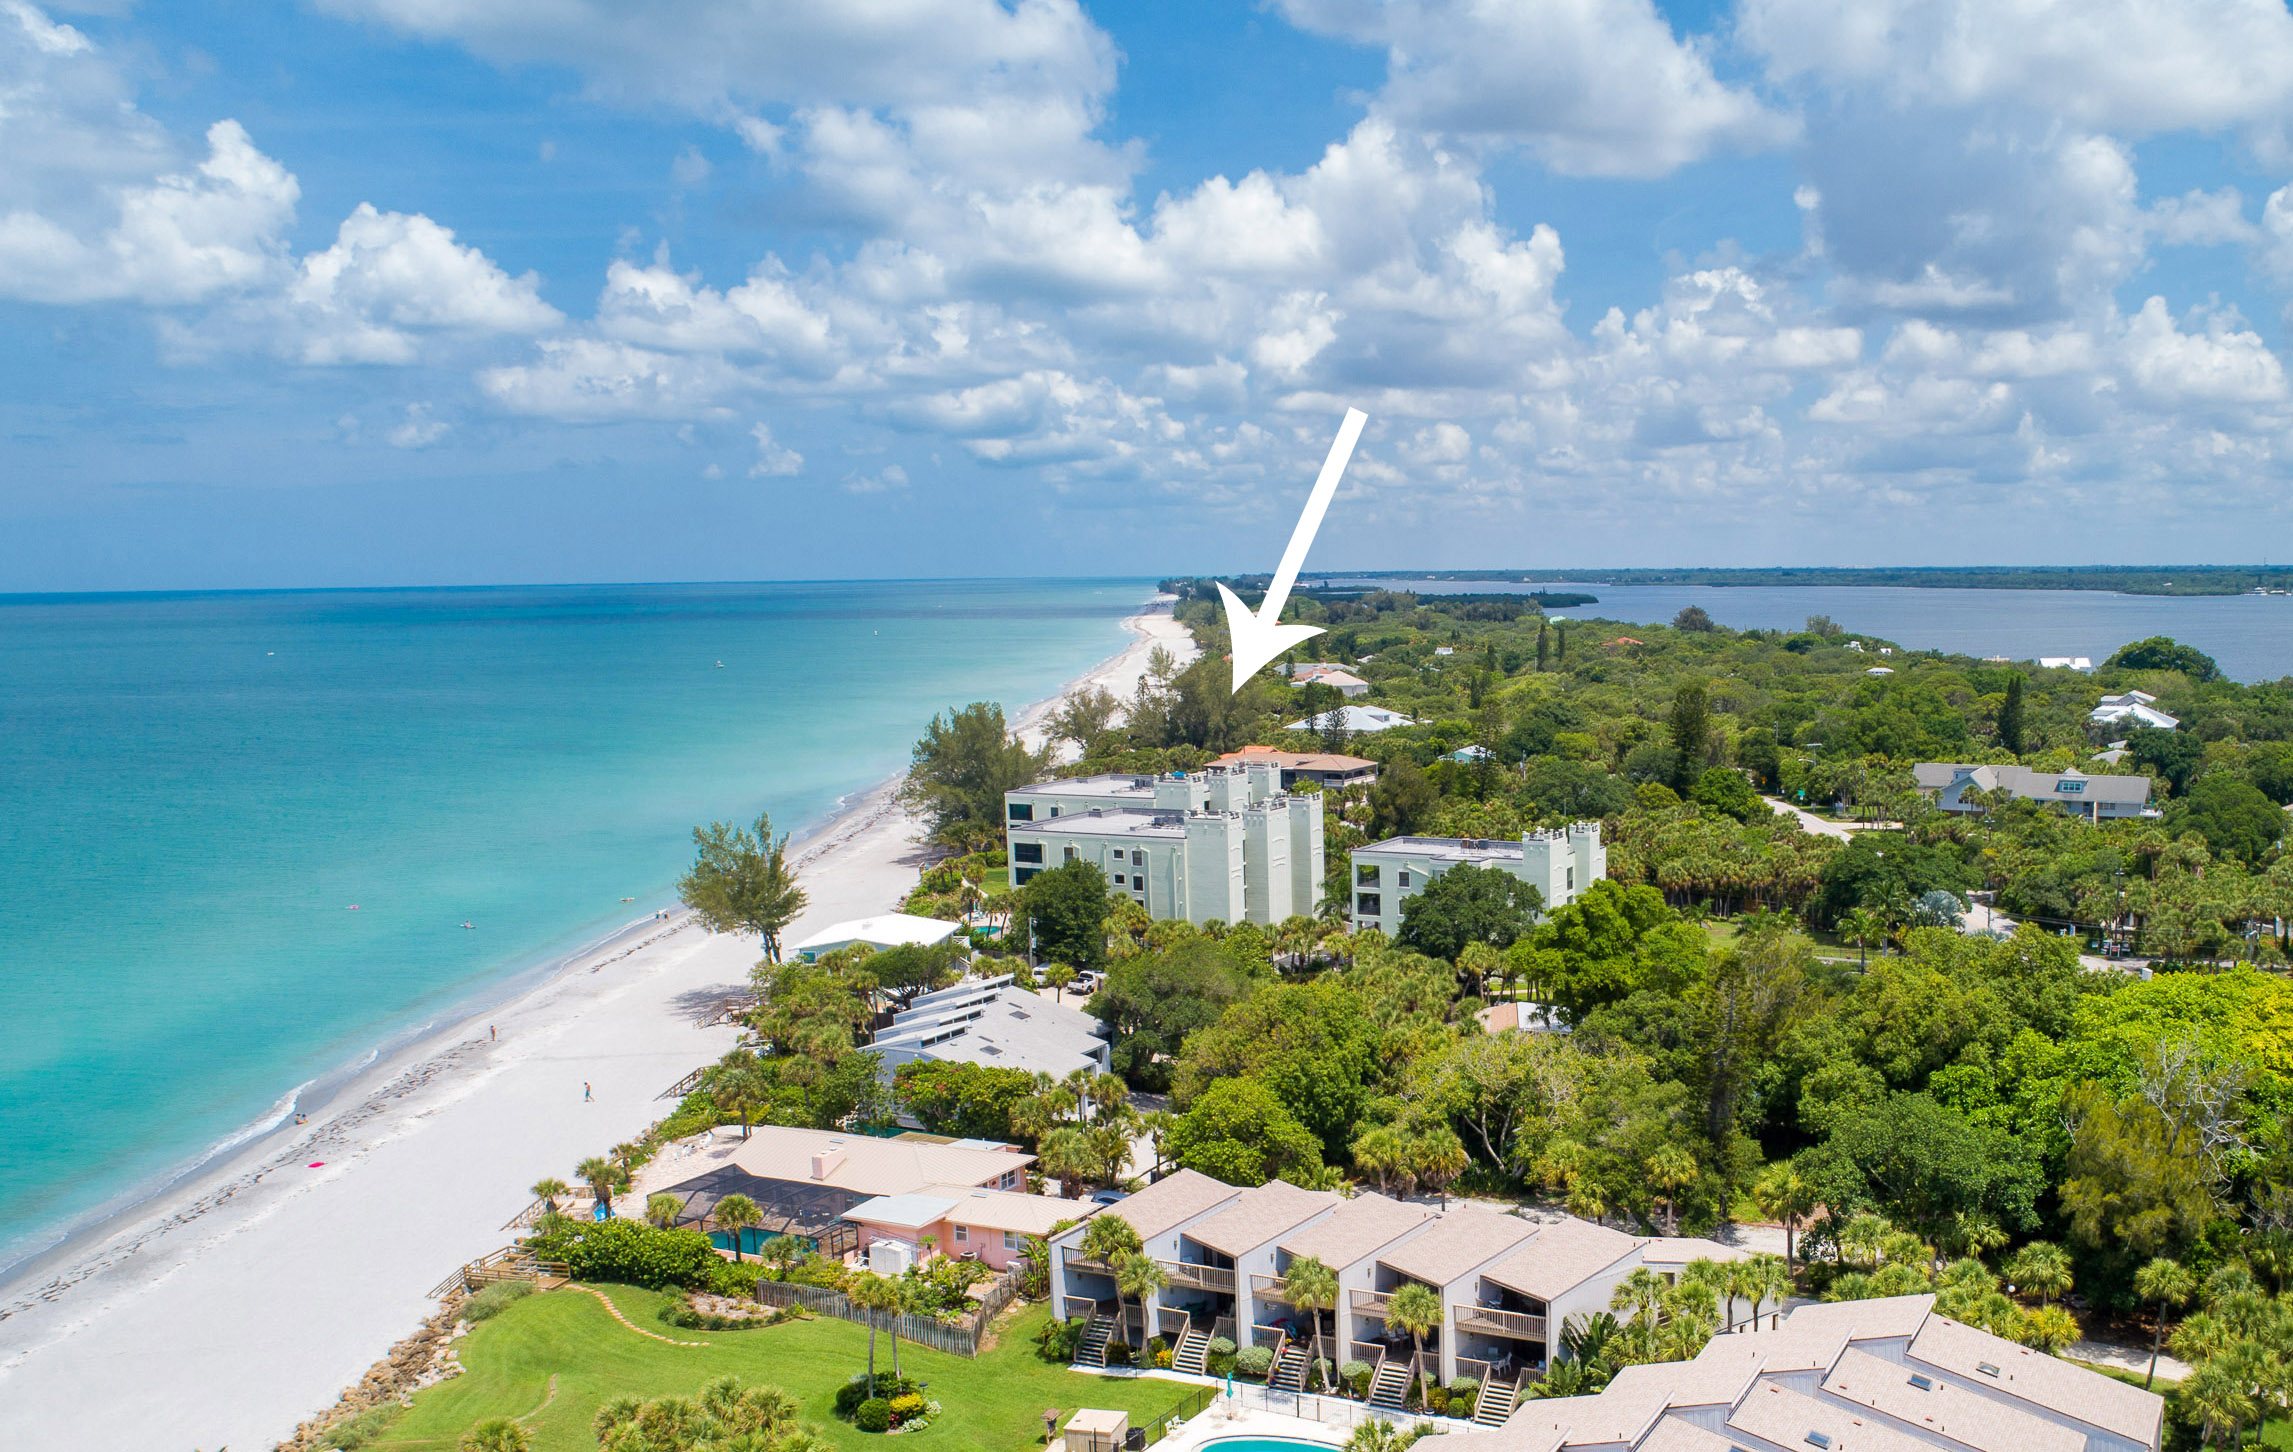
{"x": 1010, "y": 1210}
{"x": 1786, "y": 1418}
{"x": 1456, "y": 1242}
{"x": 855, "y": 1162}
{"x": 1259, "y": 1215}
{"x": 1674, "y": 1435}
{"x": 1717, "y": 1381}
{"x": 1563, "y": 1256}
{"x": 1359, "y": 1227}
{"x": 1674, "y": 1250}
{"x": 1172, "y": 1201}
{"x": 1297, "y": 760}
{"x": 2039, "y": 1379}
{"x": 1935, "y": 1406}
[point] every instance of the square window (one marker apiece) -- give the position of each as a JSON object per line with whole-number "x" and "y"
{"x": 1013, "y": 1240}
{"x": 1121, "y": 881}
{"x": 1365, "y": 874}
{"x": 1138, "y": 858}
{"x": 1027, "y": 852}
{"x": 963, "y": 1235}
{"x": 1027, "y": 875}
{"x": 1368, "y": 905}
{"x": 1022, "y": 811}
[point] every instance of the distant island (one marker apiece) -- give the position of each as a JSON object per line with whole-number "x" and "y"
{"x": 2125, "y": 579}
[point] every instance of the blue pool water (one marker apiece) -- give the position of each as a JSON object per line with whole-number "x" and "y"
{"x": 194, "y": 789}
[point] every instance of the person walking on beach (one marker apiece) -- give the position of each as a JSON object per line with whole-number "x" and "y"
{"x": 493, "y": 1033}
{"x": 585, "y": 1091}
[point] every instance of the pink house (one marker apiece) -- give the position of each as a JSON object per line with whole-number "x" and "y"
{"x": 990, "y": 1226}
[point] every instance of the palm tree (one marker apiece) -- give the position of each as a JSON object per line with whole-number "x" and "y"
{"x": 1416, "y": 1308}
{"x": 1058, "y": 975}
{"x": 1136, "y": 1278}
{"x": 1158, "y": 1124}
{"x": 738, "y": 1085}
{"x": 1785, "y": 1198}
{"x": 495, "y": 1434}
{"x": 602, "y": 1176}
{"x": 1068, "y": 1156}
{"x": 737, "y": 1213}
{"x": 547, "y": 1189}
{"x": 1862, "y": 927}
{"x": 1311, "y": 1287}
{"x": 1671, "y": 1170}
{"x": 2041, "y": 1267}
{"x": 1640, "y": 1295}
{"x": 662, "y": 1210}
{"x": 2050, "y": 1328}
{"x": 2212, "y": 1394}
{"x": 2169, "y": 1283}
{"x": 1108, "y": 1236}
{"x": 873, "y": 1294}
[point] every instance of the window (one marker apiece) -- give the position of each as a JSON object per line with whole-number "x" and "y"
{"x": 1054, "y": 811}
{"x": 1138, "y": 858}
{"x": 1986, "y": 1368}
{"x": 1027, "y": 852}
{"x": 1401, "y": 878}
{"x": 1368, "y": 905}
{"x": 1922, "y": 1383}
{"x": 1365, "y": 874}
{"x": 1013, "y": 1240}
{"x": 1027, "y": 874}
{"x": 1121, "y": 881}
{"x": 1022, "y": 811}
{"x": 1572, "y": 879}
{"x": 1818, "y": 1439}
{"x": 963, "y": 1235}
{"x": 1070, "y": 854}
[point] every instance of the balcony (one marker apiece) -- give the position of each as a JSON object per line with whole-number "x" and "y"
{"x": 1270, "y": 1288}
{"x": 1492, "y": 1322}
{"x": 1073, "y": 1258}
{"x": 1184, "y": 1275}
{"x": 1370, "y": 1303}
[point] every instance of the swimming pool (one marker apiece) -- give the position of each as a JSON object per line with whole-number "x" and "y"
{"x": 1263, "y": 1444}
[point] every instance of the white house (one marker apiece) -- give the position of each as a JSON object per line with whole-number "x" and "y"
{"x": 2096, "y": 798}
{"x": 993, "y": 1023}
{"x": 1325, "y": 674}
{"x": 1227, "y": 842}
{"x": 885, "y": 930}
{"x": 2138, "y": 707}
{"x": 1357, "y": 720}
{"x": 2064, "y": 663}
{"x": 1559, "y": 864}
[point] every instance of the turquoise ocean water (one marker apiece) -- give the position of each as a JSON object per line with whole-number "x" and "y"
{"x": 195, "y": 788}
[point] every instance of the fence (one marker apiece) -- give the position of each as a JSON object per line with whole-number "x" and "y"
{"x": 1327, "y": 1411}
{"x": 961, "y": 1339}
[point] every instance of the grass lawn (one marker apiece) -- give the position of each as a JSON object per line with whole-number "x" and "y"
{"x": 993, "y": 1404}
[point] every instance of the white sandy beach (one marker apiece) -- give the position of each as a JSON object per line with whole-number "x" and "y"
{"x": 246, "y": 1302}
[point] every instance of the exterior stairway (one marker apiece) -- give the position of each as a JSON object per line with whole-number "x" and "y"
{"x": 1092, "y": 1349}
{"x": 1192, "y": 1351}
{"x": 1496, "y": 1403}
{"x": 1390, "y": 1385}
{"x": 1289, "y": 1373}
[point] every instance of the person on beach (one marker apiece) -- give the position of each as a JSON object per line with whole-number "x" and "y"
{"x": 585, "y": 1091}
{"x": 493, "y": 1034}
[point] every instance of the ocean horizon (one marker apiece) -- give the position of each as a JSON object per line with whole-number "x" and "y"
{"x": 256, "y": 838}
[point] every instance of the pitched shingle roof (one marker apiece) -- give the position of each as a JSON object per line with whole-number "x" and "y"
{"x": 1934, "y": 1406}
{"x": 2039, "y": 1379}
{"x": 1172, "y": 1201}
{"x": 1456, "y": 1242}
{"x": 1560, "y": 1258}
{"x": 1259, "y": 1215}
{"x": 1359, "y": 1227}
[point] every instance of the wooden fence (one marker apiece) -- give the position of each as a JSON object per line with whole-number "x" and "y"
{"x": 960, "y": 1339}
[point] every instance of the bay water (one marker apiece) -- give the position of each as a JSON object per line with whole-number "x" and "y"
{"x": 2251, "y": 636}
{"x": 247, "y": 839}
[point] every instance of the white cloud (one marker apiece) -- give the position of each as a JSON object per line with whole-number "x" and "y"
{"x": 418, "y": 430}
{"x": 773, "y": 459}
{"x": 389, "y": 274}
{"x": 586, "y": 380}
{"x": 2225, "y": 363}
{"x": 2203, "y": 219}
{"x": 1593, "y": 87}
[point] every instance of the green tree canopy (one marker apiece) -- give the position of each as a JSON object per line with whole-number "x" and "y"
{"x": 1065, "y": 910}
{"x": 1403, "y": 800}
{"x": 740, "y": 882}
{"x": 1924, "y": 1166}
{"x": 1154, "y": 1000}
{"x": 2164, "y": 653}
{"x": 1468, "y": 904}
{"x": 2234, "y": 817}
{"x": 1887, "y": 872}
{"x": 960, "y": 770}
{"x": 1723, "y": 789}
{"x": 969, "y": 1101}
{"x": 1240, "y": 1131}
{"x": 1313, "y": 1045}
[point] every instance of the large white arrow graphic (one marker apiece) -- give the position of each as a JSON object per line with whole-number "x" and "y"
{"x": 1258, "y": 638}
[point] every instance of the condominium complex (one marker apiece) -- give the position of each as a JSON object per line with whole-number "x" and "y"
{"x": 1227, "y": 842}
{"x": 1559, "y": 864}
{"x": 1506, "y": 1283}
{"x": 1888, "y": 1375}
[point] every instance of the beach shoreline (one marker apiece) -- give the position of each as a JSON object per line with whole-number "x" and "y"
{"x": 95, "y": 1343}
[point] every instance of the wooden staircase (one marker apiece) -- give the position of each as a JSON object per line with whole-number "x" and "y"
{"x": 1092, "y": 1350}
{"x": 1192, "y": 1353}
{"x": 1391, "y": 1384}
{"x": 1289, "y": 1373}
{"x": 1496, "y": 1403}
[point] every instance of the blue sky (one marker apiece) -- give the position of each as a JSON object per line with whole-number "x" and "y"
{"x": 443, "y": 291}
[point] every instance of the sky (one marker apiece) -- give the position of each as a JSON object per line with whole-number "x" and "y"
{"x": 350, "y": 292}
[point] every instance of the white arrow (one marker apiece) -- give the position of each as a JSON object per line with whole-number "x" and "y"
{"x": 1258, "y": 638}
